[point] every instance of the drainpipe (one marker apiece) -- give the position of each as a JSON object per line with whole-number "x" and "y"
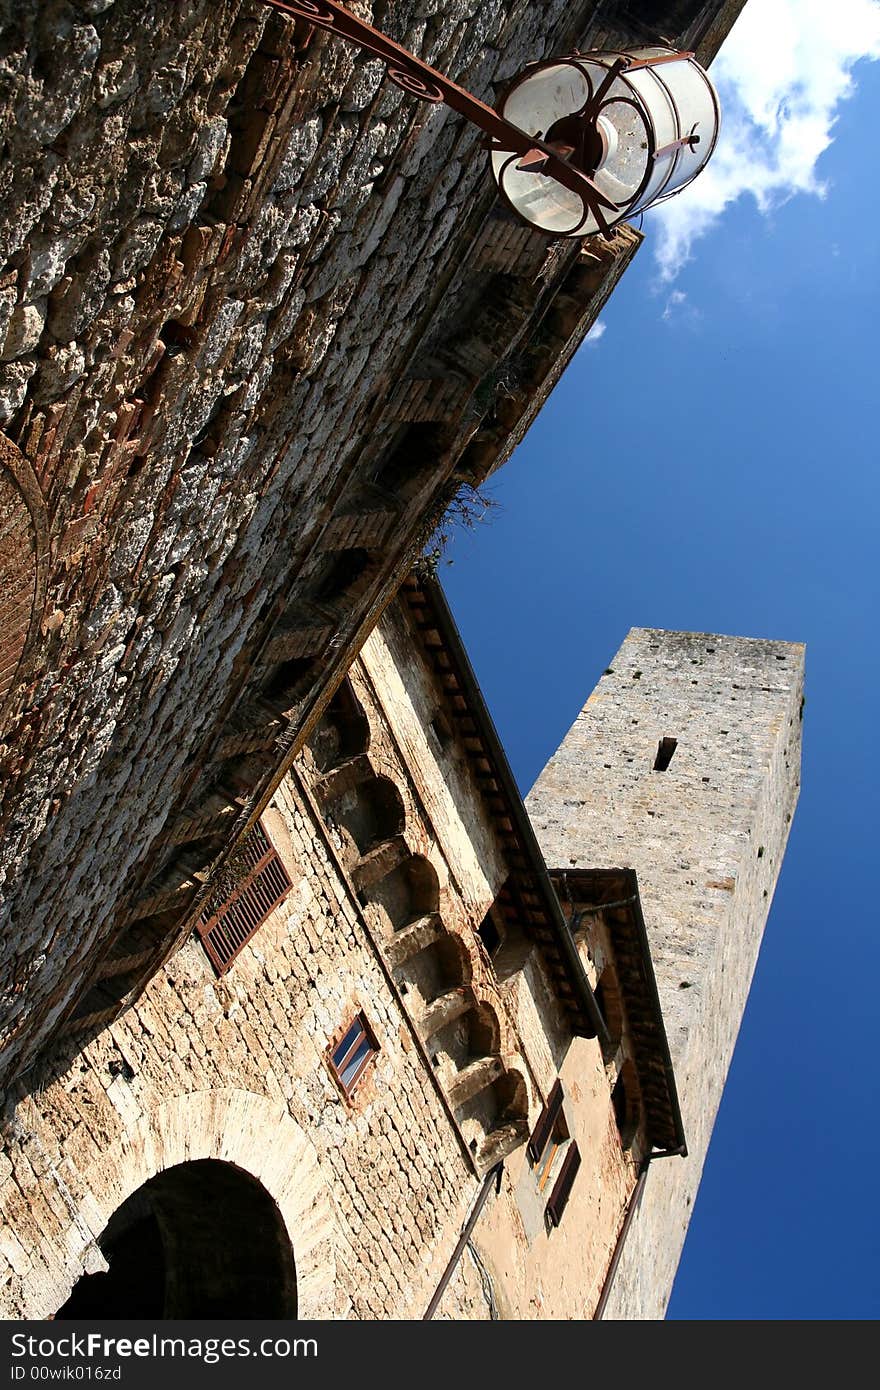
{"x": 493, "y": 1176}
{"x": 632, "y": 1208}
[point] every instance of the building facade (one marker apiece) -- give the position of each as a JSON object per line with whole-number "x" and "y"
{"x": 395, "y": 1029}
{"x": 263, "y": 317}
{"x": 298, "y": 1013}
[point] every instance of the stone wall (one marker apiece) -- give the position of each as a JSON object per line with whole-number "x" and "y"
{"x": 236, "y": 1069}
{"x": 707, "y": 837}
{"x": 373, "y": 1190}
{"x": 233, "y": 274}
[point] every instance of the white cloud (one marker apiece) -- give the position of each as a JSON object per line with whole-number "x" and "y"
{"x": 596, "y": 331}
{"x": 675, "y": 301}
{"x": 781, "y": 76}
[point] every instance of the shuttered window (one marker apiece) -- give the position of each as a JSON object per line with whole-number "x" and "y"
{"x": 260, "y": 884}
{"x": 563, "y": 1185}
{"x": 546, "y": 1122}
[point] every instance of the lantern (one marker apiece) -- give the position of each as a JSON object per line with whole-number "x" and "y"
{"x": 639, "y": 125}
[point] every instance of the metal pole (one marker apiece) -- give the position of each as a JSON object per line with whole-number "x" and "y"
{"x": 494, "y": 1175}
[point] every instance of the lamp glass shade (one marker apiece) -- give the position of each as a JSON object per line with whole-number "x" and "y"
{"x": 641, "y": 125}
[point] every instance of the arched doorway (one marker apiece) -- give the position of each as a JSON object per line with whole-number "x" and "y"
{"x": 200, "y": 1240}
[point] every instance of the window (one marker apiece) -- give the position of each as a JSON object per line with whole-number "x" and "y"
{"x": 350, "y": 1057}
{"x": 489, "y": 934}
{"x": 544, "y": 1166}
{"x": 262, "y": 883}
{"x": 551, "y": 1141}
{"x": 665, "y": 749}
{"x": 626, "y": 1104}
{"x": 547, "y": 1120}
{"x": 564, "y": 1183}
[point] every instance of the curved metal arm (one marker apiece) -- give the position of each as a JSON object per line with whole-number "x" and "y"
{"x": 418, "y": 78}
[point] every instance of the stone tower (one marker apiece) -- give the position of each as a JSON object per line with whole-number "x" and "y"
{"x": 684, "y": 765}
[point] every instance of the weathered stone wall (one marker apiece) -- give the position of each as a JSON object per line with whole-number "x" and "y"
{"x": 373, "y": 1191}
{"x": 225, "y": 245}
{"x": 236, "y": 1069}
{"x": 706, "y": 838}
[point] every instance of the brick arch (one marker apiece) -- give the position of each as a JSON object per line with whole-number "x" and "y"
{"x": 24, "y": 533}
{"x": 343, "y": 731}
{"x": 371, "y": 812}
{"x": 251, "y": 1132}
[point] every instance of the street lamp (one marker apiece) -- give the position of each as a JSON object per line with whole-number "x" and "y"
{"x": 642, "y": 125}
{"x": 580, "y": 142}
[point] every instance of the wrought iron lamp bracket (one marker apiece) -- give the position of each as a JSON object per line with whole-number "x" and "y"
{"x": 421, "y": 80}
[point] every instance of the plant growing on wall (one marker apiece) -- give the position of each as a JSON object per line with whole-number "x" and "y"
{"x": 467, "y": 508}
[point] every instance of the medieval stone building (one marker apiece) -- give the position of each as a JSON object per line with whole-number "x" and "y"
{"x": 280, "y": 941}
{"x": 394, "y": 1027}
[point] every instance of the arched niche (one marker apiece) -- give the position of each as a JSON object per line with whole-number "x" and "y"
{"x": 339, "y": 574}
{"x": 406, "y": 893}
{"x": 475, "y": 1033}
{"x": 202, "y": 1239}
{"x": 431, "y": 972}
{"x": 371, "y": 812}
{"x": 409, "y": 458}
{"x": 287, "y": 681}
{"x": 495, "y": 1117}
{"x": 343, "y": 732}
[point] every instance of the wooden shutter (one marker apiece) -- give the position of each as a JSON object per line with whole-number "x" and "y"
{"x": 262, "y": 884}
{"x": 546, "y": 1120}
{"x": 564, "y": 1183}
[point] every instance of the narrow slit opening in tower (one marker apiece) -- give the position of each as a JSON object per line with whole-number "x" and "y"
{"x": 665, "y": 749}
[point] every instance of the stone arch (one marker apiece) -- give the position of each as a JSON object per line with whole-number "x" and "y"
{"x": 371, "y": 812}
{"x": 409, "y": 891}
{"x": 24, "y": 531}
{"x": 202, "y": 1239}
{"x": 343, "y": 732}
{"x": 255, "y": 1135}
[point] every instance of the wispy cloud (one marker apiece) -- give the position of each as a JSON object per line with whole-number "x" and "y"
{"x": 596, "y": 332}
{"x": 781, "y": 77}
{"x": 675, "y": 301}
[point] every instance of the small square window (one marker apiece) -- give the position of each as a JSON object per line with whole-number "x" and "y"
{"x": 350, "y": 1057}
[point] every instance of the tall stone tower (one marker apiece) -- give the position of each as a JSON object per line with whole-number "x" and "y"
{"x": 684, "y": 765}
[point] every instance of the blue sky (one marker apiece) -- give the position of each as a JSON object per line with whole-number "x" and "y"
{"x": 709, "y": 462}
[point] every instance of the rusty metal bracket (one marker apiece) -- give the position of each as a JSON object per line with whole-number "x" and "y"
{"x": 421, "y": 80}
